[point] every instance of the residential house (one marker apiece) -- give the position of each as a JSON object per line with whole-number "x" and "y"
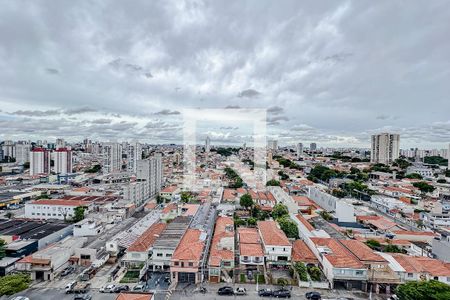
{"x": 185, "y": 264}
{"x": 221, "y": 255}
{"x": 277, "y": 248}
{"x": 251, "y": 252}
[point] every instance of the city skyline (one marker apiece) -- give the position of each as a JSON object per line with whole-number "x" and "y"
{"x": 70, "y": 70}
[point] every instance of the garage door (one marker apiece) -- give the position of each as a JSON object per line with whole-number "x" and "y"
{"x": 186, "y": 277}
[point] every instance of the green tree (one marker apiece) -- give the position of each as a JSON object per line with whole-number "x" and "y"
{"x": 373, "y": 244}
{"x": 186, "y": 196}
{"x": 43, "y": 196}
{"x": 392, "y": 249}
{"x": 246, "y": 201}
{"x": 339, "y": 193}
{"x": 12, "y": 284}
{"x": 414, "y": 176}
{"x": 401, "y": 163}
{"x": 315, "y": 273}
{"x": 79, "y": 214}
{"x": 423, "y": 290}
{"x": 301, "y": 270}
{"x": 273, "y": 182}
{"x": 288, "y": 226}
{"x": 424, "y": 187}
{"x": 326, "y": 215}
{"x": 2, "y": 248}
{"x": 251, "y": 221}
{"x": 279, "y": 211}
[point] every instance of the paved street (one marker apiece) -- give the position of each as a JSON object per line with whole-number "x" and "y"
{"x": 297, "y": 293}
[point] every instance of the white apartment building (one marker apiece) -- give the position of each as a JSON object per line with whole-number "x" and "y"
{"x": 207, "y": 144}
{"x": 134, "y": 154}
{"x": 112, "y": 157}
{"x": 22, "y": 154}
{"x": 53, "y": 208}
{"x": 60, "y": 143}
{"x": 63, "y": 161}
{"x": 385, "y": 148}
{"x": 39, "y": 161}
{"x": 273, "y": 145}
{"x": 150, "y": 170}
{"x": 313, "y": 147}
{"x": 9, "y": 149}
{"x": 299, "y": 150}
{"x": 136, "y": 192}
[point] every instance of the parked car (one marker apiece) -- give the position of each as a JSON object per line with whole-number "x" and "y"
{"x": 282, "y": 293}
{"x": 139, "y": 287}
{"x": 83, "y": 297}
{"x": 121, "y": 288}
{"x": 313, "y": 296}
{"x": 67, "y": 271}
{"x": 226, "y": 290}
{"x": 107, "y": 288}
{"x": 70, "y": 285}
{"x": 265, "y": 293}
{"x": 240, "y": 291}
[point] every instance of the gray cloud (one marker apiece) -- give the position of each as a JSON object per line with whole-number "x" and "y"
{"x": 81, "y": 110}
{"x": 52, "y": 71}
{"x": 316, "y": 61}
{"x": 101, "y": 121}
{"x": 250, "y": 93}
{"x": 275, "y": 110}
{"x": 36, "y": 113}
{"x": 167, "y": 112}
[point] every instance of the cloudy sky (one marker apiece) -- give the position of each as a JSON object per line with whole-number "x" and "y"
{"x": 332, "y": 72}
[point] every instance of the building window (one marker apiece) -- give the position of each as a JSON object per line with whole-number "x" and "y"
{"x": 168, "y": 254}
{"x": 359, "y": 273}
{"x": 410, "y": 275}
{"x": 159, "y": 254}
{"x": 191, "y": 264}
{"x": 176, "y": 263}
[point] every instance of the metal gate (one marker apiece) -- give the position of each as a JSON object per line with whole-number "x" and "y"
{"x": 186, "y": 277}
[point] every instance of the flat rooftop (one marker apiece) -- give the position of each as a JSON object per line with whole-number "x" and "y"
{"x": 171, "y": 236}
{"x": 27, "y": 229}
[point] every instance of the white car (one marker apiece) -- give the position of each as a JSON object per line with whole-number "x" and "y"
{"x": 240, "y": 291}
{"x": 107, "y": 289}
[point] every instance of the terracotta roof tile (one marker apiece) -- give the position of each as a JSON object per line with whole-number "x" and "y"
{"x": 271, "y": 234}
{"x": 146, "y": 240}
{"x": 302, "y": 253}
{"x": 190, "y": 246}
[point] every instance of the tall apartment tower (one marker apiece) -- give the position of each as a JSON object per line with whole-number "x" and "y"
{"x": 385, "y": 148}
{"x": 63, "y": 161}
{"x": 22, "y": 153}
{"x": 299, "y": 150}
{"x": 39, "y": 161}
{"x": 112, "y": 157}
{"x": 134, "y": 154}
{"x": 273, "y": 145}
{"x": 150, "y": 170}
{"x": 313, "y": 147}
{"x": 448, "y": 156}
{"x": 9, "y": 149}
{"x": 207, "y": 144}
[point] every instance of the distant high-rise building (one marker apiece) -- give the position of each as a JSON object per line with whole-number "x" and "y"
{"x": 207, "y": 144}
{"x": 273, "y": 145}
{"x": 312, "y": 147}
{"x": 22, "y": 154}
{"x": 60, "y": 143}
{"x": 39, "y": 161}
{"x": 150, "y": 170}
{"x": 112, "y": 157}
{"x": 448, "y": 156}
{"x": 385, "y": 148}
{"x": 134, "y": 154}
{"x": 63, "y": 161}
{"x": 299, "y": 150}
{"x": 9, "y": 149}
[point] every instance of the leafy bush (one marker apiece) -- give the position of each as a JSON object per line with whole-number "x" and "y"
{"x": 288, "y": 226}
{"x": 11, "y": 284}
{"x": 242, "y": 278}
{"x": 282, "y": 281}
{"x": 315, "y": 273}
{"x": 301, "y": 270}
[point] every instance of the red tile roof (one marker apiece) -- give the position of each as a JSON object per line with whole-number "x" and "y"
{"x": 133, "y": 296}
{"x": 271, "y": 234}
{"x": 305, "y": 222}
{"x": 224, "y": 229}
{"x": 421, "y": 264}
{"x": 302, "y": 253}
{"x": 248, "y": 236}
{"x": 169, "y": 189}
{"x": 146, "y": 240}
{"x": 362, "y": 251}
{"x": 255, "y": 250}
{"x": 340, "y": 257}
{"x": 190, "y": 247}
{"x": 61, "y": 202}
